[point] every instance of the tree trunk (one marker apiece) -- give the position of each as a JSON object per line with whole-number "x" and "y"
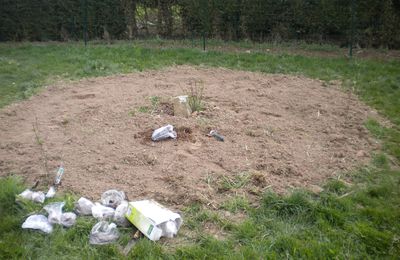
{"x": 131, "y": 18}
{"x": 146, "y": 21}
{"x": 164, "y": 18}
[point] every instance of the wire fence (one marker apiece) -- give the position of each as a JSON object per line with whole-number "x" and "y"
{"x": 347, "y": 23}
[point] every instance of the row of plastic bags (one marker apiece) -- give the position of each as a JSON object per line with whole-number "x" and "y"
{"x": 111, "y": 212}
{"x": 55, "y": 216}
{"x": 112, "y": 207}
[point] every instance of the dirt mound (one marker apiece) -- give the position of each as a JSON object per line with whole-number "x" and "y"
{"x": 280, "y": 132}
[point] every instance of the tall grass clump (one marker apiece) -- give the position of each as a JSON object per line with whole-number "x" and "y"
{"x": 195, "y": 96}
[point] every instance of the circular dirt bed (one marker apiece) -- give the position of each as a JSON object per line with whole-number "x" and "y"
{"x": 281, "y": 132}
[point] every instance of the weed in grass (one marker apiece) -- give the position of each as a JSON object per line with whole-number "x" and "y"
{"x": 389, "y": 136}
{"x": 235, "y": 204}
{"x": 146, "y": 249}
{"x": 375, "y": 128}
{"x": 9, "y": 187}
{"x": 197, "y": 216}
{"x": 226, "y": 183}
{"x": 380, "y": 160}
{"x": 297, "y": 204}
{"x": 336, "y": 186}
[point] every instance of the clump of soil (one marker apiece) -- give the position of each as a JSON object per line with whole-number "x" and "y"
{"x": 259, "y": 179}
{"x": 292, "y": 130}
{"x": 165, "y": 108}
{"x": 184, "y": 133}
{"x": 144, "y": 136}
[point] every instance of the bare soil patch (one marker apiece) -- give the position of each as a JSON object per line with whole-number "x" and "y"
{"x": 281, "y": 132}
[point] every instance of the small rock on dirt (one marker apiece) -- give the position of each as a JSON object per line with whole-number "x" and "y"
{"x": 361, "y": 153}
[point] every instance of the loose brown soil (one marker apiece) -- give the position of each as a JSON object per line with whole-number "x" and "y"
{"x": 282, "y": 132}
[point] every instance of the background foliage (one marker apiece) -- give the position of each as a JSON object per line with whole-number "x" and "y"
{"x": 317, "y": 21}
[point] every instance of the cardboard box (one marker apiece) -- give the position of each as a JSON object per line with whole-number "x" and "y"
{"x": 153, "y": 220}
{"x": 181, "y": 106}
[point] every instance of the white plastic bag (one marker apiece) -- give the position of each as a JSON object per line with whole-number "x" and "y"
{"x": 119, "y": 215}
{"x": 68, "y": 219}
{"x": 38, "y": 196}
{"x": 112, "y": 198}
{"x": 169, "y": 228}
{"x": 33, "y": 195}
{"x": 103, "y": 233}
{"x": 164, "y": 133}
{"x": 84, "y": 206}
{"x": 102, "y": 212}
{"x": 51, "y": 192}
{"x": 39, "y": 222}
{"x": 55, "y": 212}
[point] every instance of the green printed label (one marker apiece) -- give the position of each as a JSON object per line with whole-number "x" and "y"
{"x": 150, "y": 230}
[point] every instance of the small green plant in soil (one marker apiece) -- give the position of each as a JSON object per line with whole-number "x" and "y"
{"x": 195, "y": 96}
{"x": 154, "y": 101}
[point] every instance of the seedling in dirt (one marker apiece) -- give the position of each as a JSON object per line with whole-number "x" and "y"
{"x": 143, "y": 109}
{"x": 154, "y": 101}
{"x": 39, "y": 141}
{"x": 209, "y": 179}
{"x": 269, "y": 131}
{"x": 195, "y": 95}
{"x": 132, "y": 113}
{"x": 65, "y": 121}
{"x": 204, "y": 124}
{"x": 251, "y": 133}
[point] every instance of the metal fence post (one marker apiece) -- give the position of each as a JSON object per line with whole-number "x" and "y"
{"x": 85, "y": 22}
{"x": 204, "y": 41}
{"x": 352, "y": 28}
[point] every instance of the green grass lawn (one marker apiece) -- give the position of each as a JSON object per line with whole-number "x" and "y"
{"x": 357, "y": 221}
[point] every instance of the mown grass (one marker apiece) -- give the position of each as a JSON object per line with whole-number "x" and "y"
{"x": 359, "y": 221}
{"x": 216, "y": 44}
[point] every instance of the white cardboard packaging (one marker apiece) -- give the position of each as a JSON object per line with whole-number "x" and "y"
{"x": 153, "y": 220}
{"x": 181, "y": 106}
